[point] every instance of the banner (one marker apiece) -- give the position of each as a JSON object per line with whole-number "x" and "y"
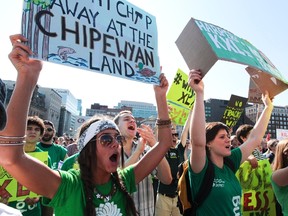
{"x": 234, "y": 110}
{"x": 12, "y": 187}
{"x": 203, "y": 44}
{"x": 257, "y": 193}
{"x": 110, "y": 37}
{"x": 180, "y": 98}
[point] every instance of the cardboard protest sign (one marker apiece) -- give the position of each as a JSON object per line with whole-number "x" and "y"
{"x": 109, "y": 37}
{"x": 257, "y": 193}
{"x": 254, "y": 94}
{"x": 233, "y": 111}
{"x": 12, "y": 187}
{"x": 203, "y": 44}
{"x": 180, "y": 98}
{"x": 265, "y": 81}
{"x": 178, "y": 114}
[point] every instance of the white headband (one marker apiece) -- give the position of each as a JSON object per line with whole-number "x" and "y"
{"x": 93, "y": 130}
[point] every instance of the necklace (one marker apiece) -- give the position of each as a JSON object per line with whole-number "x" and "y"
{"x": 106, "y": 198}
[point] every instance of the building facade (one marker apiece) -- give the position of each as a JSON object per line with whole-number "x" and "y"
{"x": 69, "y": 111}
{"x": 139, "y": 109}
{"x": 278, "y": 118}
{"x": 98, "y": 109}
{"x": 52, "y": 104}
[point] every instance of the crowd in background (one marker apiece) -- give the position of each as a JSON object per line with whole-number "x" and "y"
{"x": 111, "y": 163}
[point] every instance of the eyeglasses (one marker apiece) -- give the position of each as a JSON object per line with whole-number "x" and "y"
{"x": 175, "y": 134}
{"x": 49, "y": 129}
{"x": 107, "y": 139}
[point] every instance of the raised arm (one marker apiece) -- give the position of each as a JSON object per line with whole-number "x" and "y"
{"x": 197, "y": 124}
{"x": 156, "y": 154}
{"x": 257, "y": 133}
{"x": 136, "y": 154}
{"x": 163, "y": 168}
{"x": 22, "y": 167}
{"x": 185, "y": 131}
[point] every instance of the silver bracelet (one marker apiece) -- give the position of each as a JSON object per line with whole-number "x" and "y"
{"x": 12, "y": 137}
{"x": 5, "y": 144}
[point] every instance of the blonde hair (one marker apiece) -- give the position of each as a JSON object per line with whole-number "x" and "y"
{"x": 281, "y": 155}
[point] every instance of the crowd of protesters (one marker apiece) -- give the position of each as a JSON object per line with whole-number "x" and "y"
{"x": 115, "y": 166}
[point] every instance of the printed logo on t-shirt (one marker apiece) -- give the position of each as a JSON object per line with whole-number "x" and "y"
{"x": 236, "y": 205}
{"x": 218, "y": 183}
{"x": 173, "y": 155}
{"x": 108, "y": 209}
{"x": 54, "y": 166}
{"x": 23, "y": 207}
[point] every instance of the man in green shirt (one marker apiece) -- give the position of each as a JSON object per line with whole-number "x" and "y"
{"x": 56, "y": 152}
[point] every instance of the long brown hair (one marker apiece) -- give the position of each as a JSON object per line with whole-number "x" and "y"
{"x": 281, "y": 155}
{"x": 88, "y": 161}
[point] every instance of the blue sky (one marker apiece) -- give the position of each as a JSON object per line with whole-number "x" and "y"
{"x": 263, "y": 23}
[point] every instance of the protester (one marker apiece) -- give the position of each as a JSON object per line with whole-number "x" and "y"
{"x": 187, "y": 151}
{"x": 242, "y": 133}
{"x": 34, "y": 130}
{"x": 270, "y": 153}
{"x": 167, "y": 202}
{"x": 167, "y": 196}
{"x": 263, "y": 146}
{"x": 4, "y": 197}
{"x": 133, "y": 152}
{"x": 71, "y": 162}
{"x": 61, "y": 141}
{"x": 56, "y": 152}
{"x": 72, "y": 149}
{"x": 211, "y": 142}
{"x": 279, "y": 178}
{"x": 234, "y": 142}
{"x": 97, "y": 186}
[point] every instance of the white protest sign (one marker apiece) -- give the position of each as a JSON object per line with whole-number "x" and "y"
{"x": 109, "y": 37}
{"x": 281, "y": 134}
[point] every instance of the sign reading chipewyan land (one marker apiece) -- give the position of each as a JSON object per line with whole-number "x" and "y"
{"x": 109, "y": 37}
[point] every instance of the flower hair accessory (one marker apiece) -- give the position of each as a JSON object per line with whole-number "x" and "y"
{"x": 93, "y": 130}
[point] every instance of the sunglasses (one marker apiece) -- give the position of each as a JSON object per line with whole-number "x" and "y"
{"x": 175, "y": 134}
{"x": 107, "y": 140}
{"x": 49, "y": 129}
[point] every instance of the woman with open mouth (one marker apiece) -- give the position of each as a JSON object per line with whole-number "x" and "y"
{"x": 98, "y": 187}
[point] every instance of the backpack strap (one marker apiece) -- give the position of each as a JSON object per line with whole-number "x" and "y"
{"x": 203, "y": 192}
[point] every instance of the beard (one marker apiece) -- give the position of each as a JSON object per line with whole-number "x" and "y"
{"x": 47, "y": 137}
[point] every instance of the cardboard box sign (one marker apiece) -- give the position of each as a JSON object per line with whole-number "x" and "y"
{"x": 254, "y": 93}
{"x": 203, "y": 44}
{"x": 265, "y": 81}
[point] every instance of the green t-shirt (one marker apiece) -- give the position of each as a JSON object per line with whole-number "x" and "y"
{"x": 70, "y": 196}
{"x": 225, "y": 196}
{"x": 56, "y": 152}
{"x": 281, "y": 194}
{"x": 71, "y": 162}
